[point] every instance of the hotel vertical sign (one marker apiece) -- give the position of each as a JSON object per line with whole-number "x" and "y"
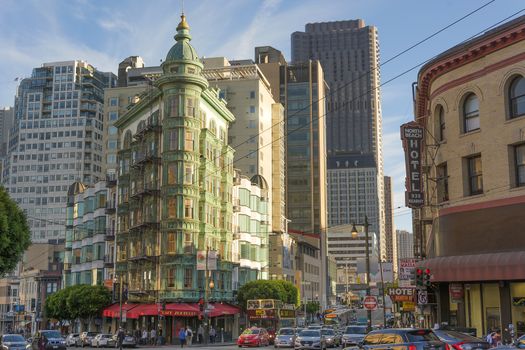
{"x": 412, "y": 135}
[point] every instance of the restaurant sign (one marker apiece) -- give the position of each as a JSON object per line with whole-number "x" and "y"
{"x": 412, "y": 135}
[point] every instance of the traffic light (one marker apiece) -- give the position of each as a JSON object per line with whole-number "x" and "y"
{"x": 426, "y": 278}
{"x": 419, "y": 278}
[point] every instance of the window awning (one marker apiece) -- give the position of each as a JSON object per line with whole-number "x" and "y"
{"x": 143, "y": 310}
{"x": 477, "y": 267}
{"x": 181, "y": 310}
{"x": 223, "y": 309}
{"x": 113, "y": 311}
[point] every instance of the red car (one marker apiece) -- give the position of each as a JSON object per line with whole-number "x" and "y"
{"x": 254, "y": 337}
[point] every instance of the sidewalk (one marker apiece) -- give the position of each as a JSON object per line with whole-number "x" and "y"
{"x": 210, "y": 345}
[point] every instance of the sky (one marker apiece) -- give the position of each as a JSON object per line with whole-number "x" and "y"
{"x": 104, "y": 32}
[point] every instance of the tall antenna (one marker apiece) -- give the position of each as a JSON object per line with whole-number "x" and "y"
{"x": 182, "y": 6}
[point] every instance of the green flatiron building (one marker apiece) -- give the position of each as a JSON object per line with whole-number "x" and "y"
{"x": 175, "y": 186}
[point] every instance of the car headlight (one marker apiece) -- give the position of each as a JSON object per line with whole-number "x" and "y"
{"x": 291, "y": 339}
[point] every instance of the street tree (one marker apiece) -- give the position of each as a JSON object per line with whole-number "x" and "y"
{"x": 267, "y": 289}
{"x": 77, "y": 302}
{"x": 15, "y": 236}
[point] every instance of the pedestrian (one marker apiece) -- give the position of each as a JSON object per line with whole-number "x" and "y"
{"x": 189, "y": 336}
{"x": 144, "y": 339}
{"x": 120, "y": 337}
{"x": 182, "y": 336}
{"x": 213, "y": 333}
{"x": 200, "y": 334}
{"x": 496, "y": 338}
{"x": 153, "y": 336}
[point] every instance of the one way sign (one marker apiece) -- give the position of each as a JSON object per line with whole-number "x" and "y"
{"x": 422, "y": 297}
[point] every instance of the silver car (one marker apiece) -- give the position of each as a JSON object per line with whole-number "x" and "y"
{"x": 352, "y": 335}
{"x": 285, "y": 338}
{"x": 310, "y": 339}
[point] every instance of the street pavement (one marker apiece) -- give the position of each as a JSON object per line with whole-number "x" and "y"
{"x": 216, "y": 346}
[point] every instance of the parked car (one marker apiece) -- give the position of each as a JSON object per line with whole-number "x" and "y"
{"x": 253, "y": 337}
{"x": 520, "y": 342}
{"x": 72, "y": 339}
{"x": 13, "y": 342}
{"x": 128, "y": 342}
{"x": 285, "y": 338}
{"x": 332, "y": 339}
{"x": 52, "y": 338}
{"x": 315, "y": 326}
{"x": 103, "y": 340}
{"x": 353, "y": 335}
{"x": 406, "y": 338}
{"x": 461, "y": 341}
{"x": 310, "y": 339}
{"x": 85, "y": 338}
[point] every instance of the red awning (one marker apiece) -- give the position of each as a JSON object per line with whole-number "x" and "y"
{"x": 477, "y": 267}
{"x": 223, "y": 309}
{"x": 113, "y": 311}
{"x": 181, "y": 310}
{"x": 144, "y": 310}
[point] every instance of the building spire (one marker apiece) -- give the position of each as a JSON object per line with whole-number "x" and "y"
{"x": 183, "y": 24}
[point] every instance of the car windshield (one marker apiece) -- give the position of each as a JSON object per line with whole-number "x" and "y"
{"x": 310, "y": 333}
{"x": 286, "y": 331}
{"x": 251, "y": 331}
{"x": 355, "y": 330}
{"x": 421, "y": 335}
{"x": 90, "y": 334}
{"x": 106, "y": 335}
{"x": 13, "y": 338}
{"x": 52, "y": 334}
{"x": 327, "y": 332}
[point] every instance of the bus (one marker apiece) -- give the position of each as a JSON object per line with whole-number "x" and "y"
{"x": 339, "y": 318}
{"x": 271, "y": 314}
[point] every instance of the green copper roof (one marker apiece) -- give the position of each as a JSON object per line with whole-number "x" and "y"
{"x": 182, "y": 50}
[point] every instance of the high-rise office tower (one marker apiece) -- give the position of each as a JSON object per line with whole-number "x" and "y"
{"x": 6, "y": 122}
{"x": 405, "y": 244}
{"x": 349, "y": 54}
{"x": 57, "y": 139}
{"x": 390, "y": 249}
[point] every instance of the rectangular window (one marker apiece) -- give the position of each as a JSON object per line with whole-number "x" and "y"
{"x": 172, "y": 272}
{"x": 188, "y": 208}
{"x": 173, "y": 140}
{"x": 172, "y": 208}
{"x": 173, "y": 106}
{"x": 188, "y": 145}
{"x": 113, "y": 116}
{"x": 475, "y": 175}
{"x": 188, "y": 278}
{"x": 519, "y": 156}
{"x": 172, "y": 174}
{"x": 113, "y": 101}
{"x": 188, "y": 175}
{"x": 252, "y": 94}
{"x": 442, "y": 182}
{"x": 190, "y": 107}
{"x": 172, "y": 243}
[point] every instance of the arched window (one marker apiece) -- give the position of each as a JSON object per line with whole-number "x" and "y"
{"x": 439, "y": 117}
{"x": 471, "y": 113}
{"x": 517, "y": 97}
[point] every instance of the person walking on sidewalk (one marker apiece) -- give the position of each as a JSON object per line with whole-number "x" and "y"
{"x": 144, "y": 339}
{"x": 200, "y": 334}
{"x": 120, "y": 337}
{"x": 182, "y": 336}
{"x": 189, "y": 336}
{"x": 213, "y": 333}
{"x": 153, "y": 335}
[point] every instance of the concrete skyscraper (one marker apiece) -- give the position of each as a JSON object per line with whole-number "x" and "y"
{"x": 349, "y": 54}
{"x": 57, "y": 139}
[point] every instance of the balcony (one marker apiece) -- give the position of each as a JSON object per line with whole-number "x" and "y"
{"x": 108, "y": 261}
{"x": 142, "y": 159}
{"x": 111, "y": 180}
{"x": 111, "y": 207}
{"x": 149, "y": 188}
{"x": 110, "y": 235}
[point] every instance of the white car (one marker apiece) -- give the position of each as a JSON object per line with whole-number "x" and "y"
{"x": 104, "y": 340}
{"x": 72, "y": 339}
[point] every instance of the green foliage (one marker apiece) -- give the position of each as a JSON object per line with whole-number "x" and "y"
{"x": 80, "y": 301}
{"x": 312, "y": 307}
{"x": 15, "y": 236}
{"x": 271, "y": 289}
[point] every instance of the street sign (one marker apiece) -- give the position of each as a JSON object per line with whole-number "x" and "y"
{"x": 422, "y": 297}
{"x": 370, "y": 302}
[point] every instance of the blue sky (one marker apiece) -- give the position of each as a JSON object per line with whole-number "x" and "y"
{"x": 104, "y": 32}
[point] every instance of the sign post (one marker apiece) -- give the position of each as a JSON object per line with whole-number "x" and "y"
{"x": 370, "y": 302}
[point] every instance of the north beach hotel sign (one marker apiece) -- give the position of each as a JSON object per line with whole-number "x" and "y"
{"x": 412, "y": 135}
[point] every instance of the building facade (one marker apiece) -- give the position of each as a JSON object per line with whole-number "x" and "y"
{"x": 390, "y": 236}
{"x": 90, "y": 234}
{"x": 349, "y": 54}
{"x": 251, "y": 231}
{"x": 405, "y": 244}
{"x": 57, "y": 138}
{"x": 175, "y": 188}
{"x": 471, "y": 101}
{"x": 6, "y": 123}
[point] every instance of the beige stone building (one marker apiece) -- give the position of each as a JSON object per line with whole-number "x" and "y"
{"x": 471, "y": 100}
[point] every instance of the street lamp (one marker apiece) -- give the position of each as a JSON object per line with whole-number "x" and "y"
{"x": 115, "y": 280}
{"x": 367, "y": 254}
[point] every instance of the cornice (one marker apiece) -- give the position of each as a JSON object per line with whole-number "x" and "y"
{"x": 460, "y": 57}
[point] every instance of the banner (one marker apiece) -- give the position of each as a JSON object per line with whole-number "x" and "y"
{"x": 201, "y": 260}
{"x": 412, "y": 135}
{"x": 407, "y": 269}
{"x": 456, "y": 292}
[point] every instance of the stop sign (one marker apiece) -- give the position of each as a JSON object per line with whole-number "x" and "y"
{"x": 370, "y": 302}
